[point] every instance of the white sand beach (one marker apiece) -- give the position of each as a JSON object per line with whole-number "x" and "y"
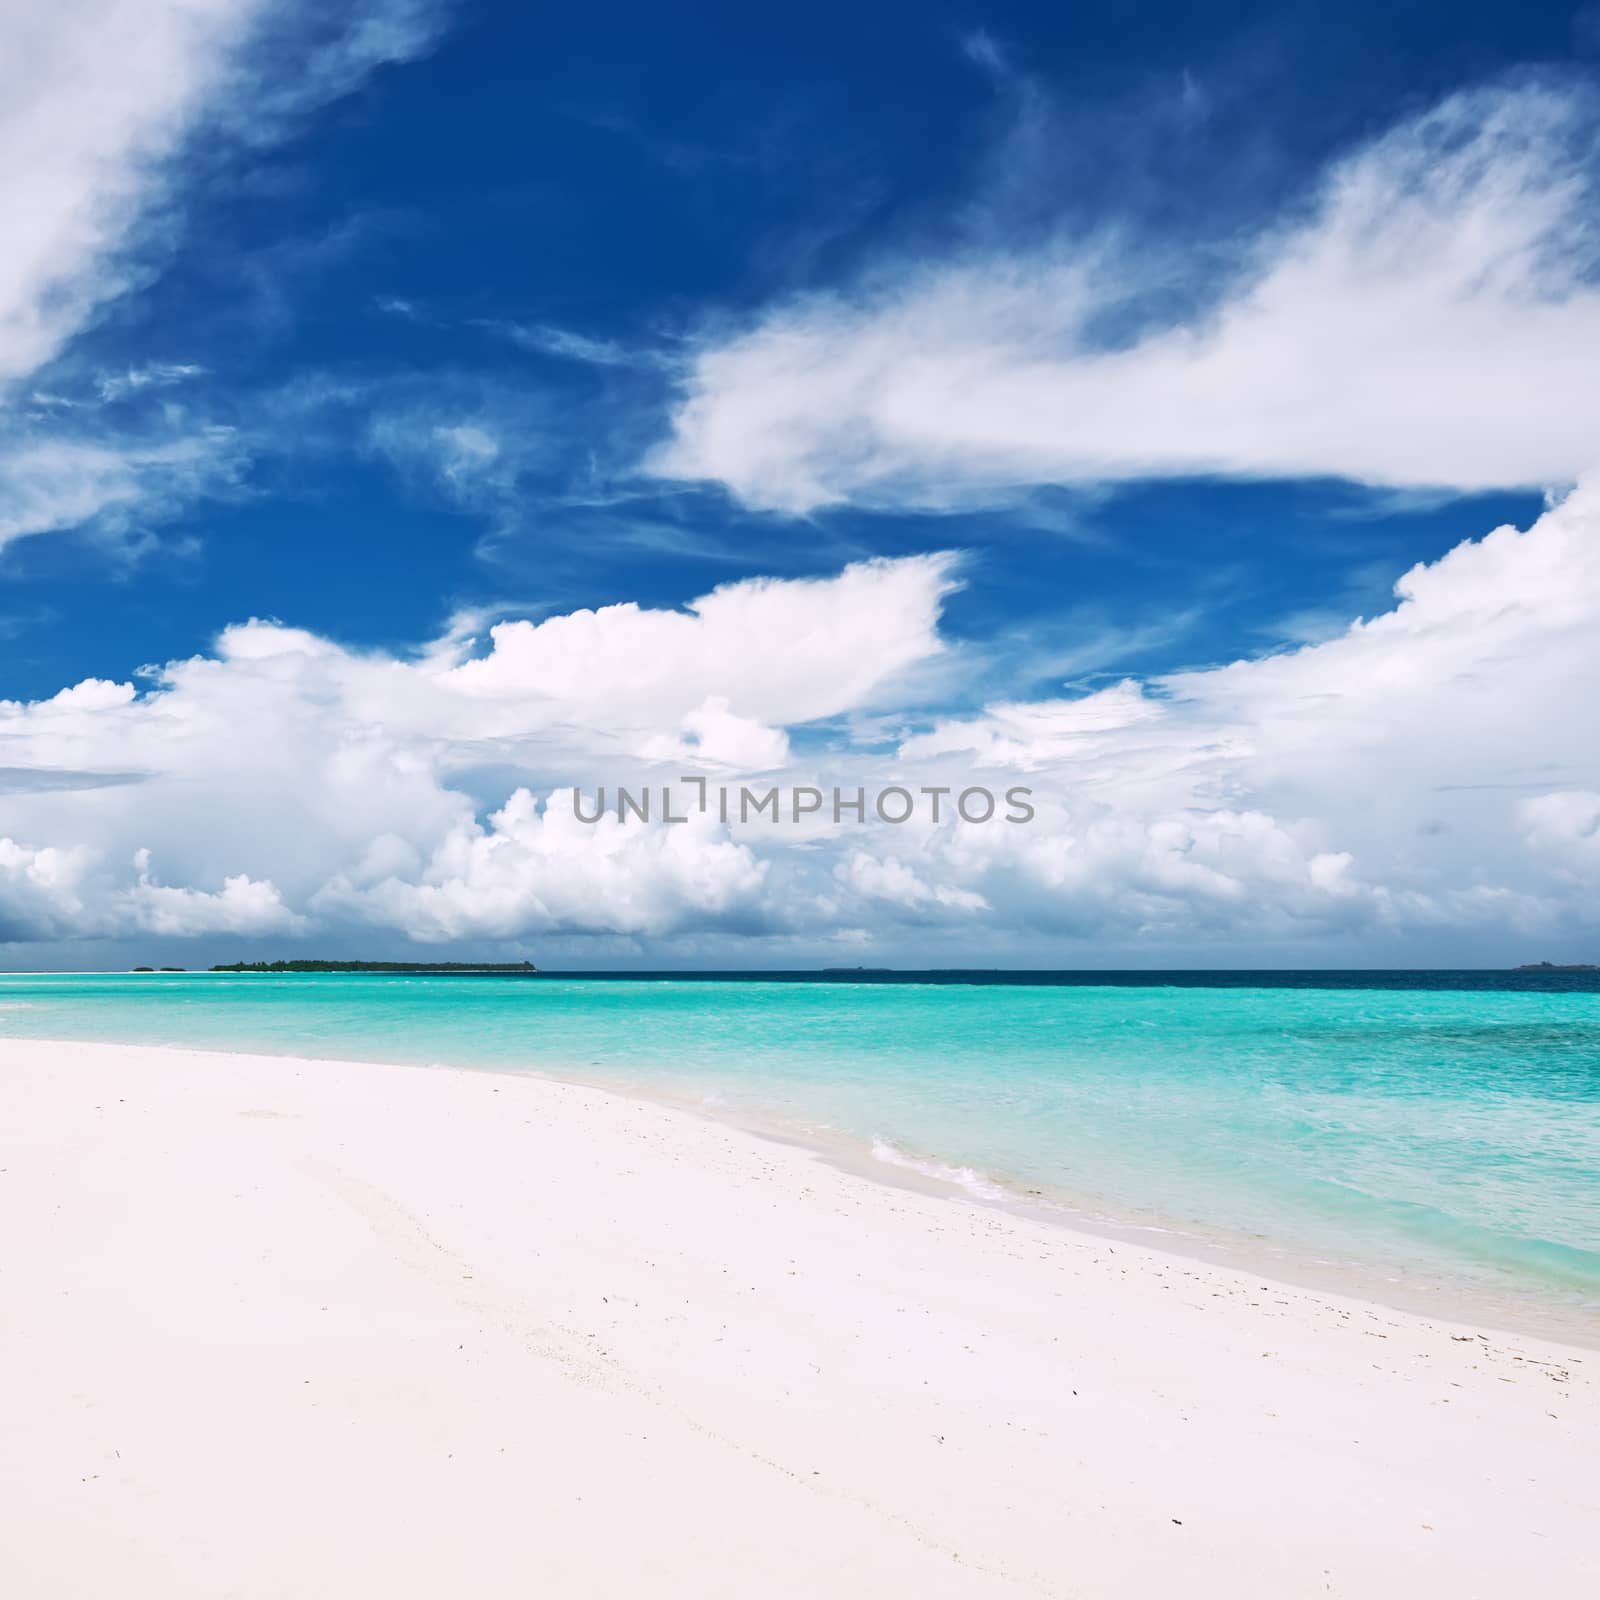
{"x": 278, "y": 1328}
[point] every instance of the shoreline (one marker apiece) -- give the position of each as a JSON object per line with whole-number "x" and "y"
{"x": 485, "y": 1330}
{"x": 1518, "y": 1311}
{"x": 1515, "y": 1313}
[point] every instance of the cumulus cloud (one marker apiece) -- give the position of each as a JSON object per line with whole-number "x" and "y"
{"x": 1564, "y": 827}
{"x": 1428, "y": 317}
{"x": 241, "y": 905}
{"x": 714, "y": 739}
{"x": 339, "y": 787}
{"x": 53, "y": 892}
{"x": 39, "y": 891}
{"x": 1420, "y": 776}
{"x": 1395, "y": 774}
{"x": 775, "y": 652}
{"x": 888, "y": 878}
{"x": 536, "y": 869}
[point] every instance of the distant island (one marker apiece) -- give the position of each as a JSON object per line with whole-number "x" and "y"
{"x": 1551, "y": 966}
{"x": 379, "y": 966}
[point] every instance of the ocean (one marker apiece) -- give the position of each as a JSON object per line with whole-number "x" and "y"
{"x": 1433, "y": 1138}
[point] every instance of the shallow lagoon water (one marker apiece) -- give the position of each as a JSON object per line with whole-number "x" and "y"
{"x": 1445, "y": 1133}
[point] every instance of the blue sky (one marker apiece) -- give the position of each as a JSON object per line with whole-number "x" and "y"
{"x": 1185, "y": 334}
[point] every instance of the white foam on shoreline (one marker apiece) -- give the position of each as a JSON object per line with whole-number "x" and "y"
{"x": 966, "y": 1178}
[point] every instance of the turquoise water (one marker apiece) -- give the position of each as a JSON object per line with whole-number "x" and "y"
{"x": 1445, "y": 1137}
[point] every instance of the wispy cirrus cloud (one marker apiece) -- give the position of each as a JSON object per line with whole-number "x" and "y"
{"x": 1427, "y": 317}
{"x": 96, "y": 98}
{"x": 567, "y": 344}
{"x": 471, "y": 446}
{"x": 101, "y": 102}
{"x": 115, "y": 455}
{"x": 111, "y": 486}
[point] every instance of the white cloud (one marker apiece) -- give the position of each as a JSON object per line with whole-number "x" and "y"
{"x": 1564, "y": 826}
{"x": 310, "y": 781}
{"x": 776, "y": 652}
{"x": 50, "y": 483}
{"x": 1420, "y": 777}
{"x": 473, "y": 445}
{"x": 1392, "y": 775}
{"x": 1431, "y": 318}
{"x": 242, "y": 905}
{"x": 100, "y": 101}
{"x": 115, "y": 386}
{"x": 54, "y": 892}
{"x": 983, "y": 51}
{"x": 470, "y": 461}
{"x": 534, "y": 870}
{"x": 716, "y": 740}
{"x": 566, "y": 344}
{"x": 332, "y": 51}
{"x": 1041, "y": 733}
{"x": 888, "y": 878}
{"x": 95, "y": 96}
{"x": 39, "y": 891}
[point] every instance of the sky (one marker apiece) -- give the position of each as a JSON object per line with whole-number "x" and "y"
{"x": 413, "y": 415}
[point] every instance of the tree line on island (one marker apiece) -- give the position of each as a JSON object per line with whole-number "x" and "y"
{"x": 517, "y": 967}
{"x": 377, "y": 966}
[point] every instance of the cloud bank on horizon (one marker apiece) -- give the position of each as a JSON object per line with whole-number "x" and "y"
{"x": 1423, "y": 771}
{"x": 1427, "y": 318}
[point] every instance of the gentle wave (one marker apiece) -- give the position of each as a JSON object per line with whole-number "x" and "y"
{"x": 1447, "y": 1135}
{"x": 962, "y": 1177}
